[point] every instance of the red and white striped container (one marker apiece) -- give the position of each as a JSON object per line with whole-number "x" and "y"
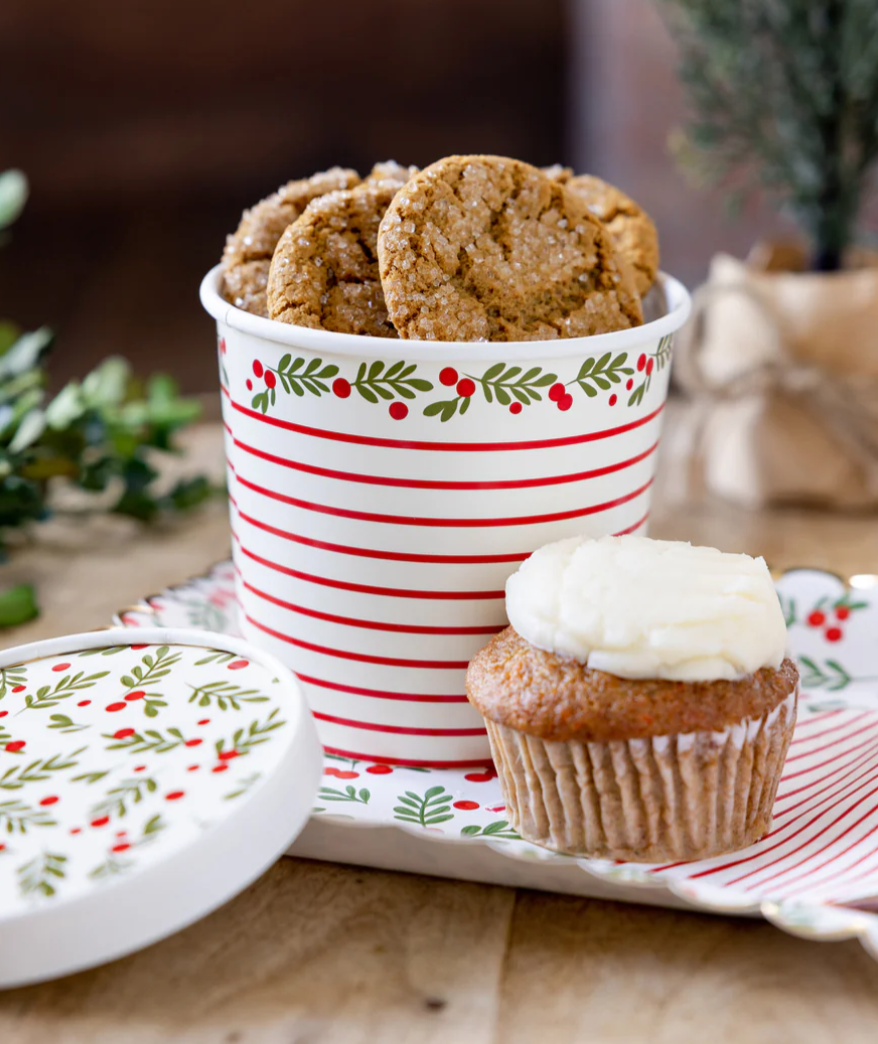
{"x": 382, "y": 491}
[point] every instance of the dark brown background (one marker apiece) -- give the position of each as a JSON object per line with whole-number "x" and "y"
{"x": 146, "y": 128}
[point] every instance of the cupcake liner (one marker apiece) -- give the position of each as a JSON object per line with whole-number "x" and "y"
{"x": 687, "y": 796}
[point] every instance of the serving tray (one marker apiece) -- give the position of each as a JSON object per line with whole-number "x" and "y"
{"x": 815, "y": 875}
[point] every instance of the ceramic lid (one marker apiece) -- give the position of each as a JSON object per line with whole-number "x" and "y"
{"x": 145, "y": 778}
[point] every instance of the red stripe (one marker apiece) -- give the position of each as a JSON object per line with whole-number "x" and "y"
{"x": 851, "y": 766}
{"x": 391, "y": 556}
{"x": 446, "y": 447}
{"x": 842, "y": 872}
{"x": 833, "y": 743}
{"x": 814, "y": 719}
{"x": 443, "y": 523}
{"x": 828, "y": 761}
{"x": 857, "y": 877}
{"x": 412, "y": 762}
{"x": 838, "y": 819}
{"x": 411, "y": 483}
{"x": 343, "y": 654}
{"x": 408, "y": 697}
{"x": 371, "y": 625}
{"x": 399, "y": 730}
{"x": 632, "y": 528}
{"x": 829, "y": 775}
{"x": 391, "y": 592}
{"x": 227, "y": 426}
{"x": 829, "y": 844}
{"x": 810, "y": 721}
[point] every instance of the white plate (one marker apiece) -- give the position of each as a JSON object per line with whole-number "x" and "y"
{"x": 815, "y": 875}
{"x": 145, "y": 778}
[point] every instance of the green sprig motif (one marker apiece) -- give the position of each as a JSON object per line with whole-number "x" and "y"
{"x": 500, "y": 829}
{"x": 150, "y": 739}
{"x": 397, "y": 380}
{"x": 499, "y": 382}
{"x": 243, "y": 740}
{"x": 832, "y": 676}
{"x": 428, "y": 809}
{"x": 17, "y": 817}
{"x": 602, "y": 373}
{"x": 156, "y": 668}
{"x": 20, "y": 775}
{"x": 118, "y": 798}
{"x": 11, "y": 678}
{"x": 224, "y": 695}
{"x": 348, "y": 794}
{"x": 116, "y": 864}
{"x": 295, "y": 377}
{"x": 65, "y": 724}
{"x": 48, "y": 697}
{"x": 655, "y": 362}
{"x": 40, "y": 875}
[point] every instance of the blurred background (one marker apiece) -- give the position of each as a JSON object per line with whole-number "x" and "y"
{"x": 146, "y": 128}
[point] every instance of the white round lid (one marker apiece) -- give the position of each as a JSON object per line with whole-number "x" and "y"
{"x": 146, "y": 777}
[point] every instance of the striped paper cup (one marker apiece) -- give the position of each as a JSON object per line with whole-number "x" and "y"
{"x": 382, "y": 491}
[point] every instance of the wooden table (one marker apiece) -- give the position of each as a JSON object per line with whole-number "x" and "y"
{"x": 314, "y": 952}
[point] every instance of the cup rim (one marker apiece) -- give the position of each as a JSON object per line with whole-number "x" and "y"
{"x": 361, "y": 345}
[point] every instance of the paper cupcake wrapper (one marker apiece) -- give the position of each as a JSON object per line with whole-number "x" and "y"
{"x": 666, "y": 798}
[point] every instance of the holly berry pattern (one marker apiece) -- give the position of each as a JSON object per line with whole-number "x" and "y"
{"x": 508, "y": 386}
{"x": 90, "y": 790}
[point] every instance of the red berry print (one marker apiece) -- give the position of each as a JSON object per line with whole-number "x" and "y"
{"x": 629, "y": 384}
{"x": 15, "y": 746}
{"x": 138, "y": 647}
{"x": 379, "y": 770}
{"x": 341, "y": 387}
{"x": 270, "y": 379}
{"x": 841, "y": 613}
{"x": 175, "y": 795}
{"x": 222, "y": 345}
{"x": 466, "y": 388}
{"x": 123, "y": 847}
{"x": 449, "y": 377}
{"x": 193, "y": 768}
{"x": 613, "y": 400}
{"x": 49, "y": 800}
{"x": 83, "y": 703}
{"x": 641, "y": 364}
{"x": 238, "y": 665}
{"x": 121, "y": 833}
{"x": 498, "y": 808}
{"x": 257, "y": 368}
{"x": 398, "y": 410}
{"x": 817, "y": 619}
{"x": 204, "y": 721}
{"x": 219, "y": 768}
{"x": 339, "y": 773}
{"x": 60, "y": 666}
{"x": 140, "y": 768}
{"x": 117, "y": 706}
{"x": 649, "y": 366}
{"x": 3, "y": 714}
{"x": 227, "y": 755}
{"x": 249, "y": 384}
{"x": 565, "y": 402}
{"x": 2, "y": 848}
{"x": 19, "y": 688}
{"x": 466, "y": 806}
{"x": 557, "y": 392}
{"x": 481, "y": 777}
{"x": 193, "y": 742}
{"x": 833, "y": 634}
{"x": 516, "y": 407}
{"x": 123, "y": 733}
{"x": 76, "y": 830}
{"x": 100, "y": 822}
{"x": 138, "y": 694}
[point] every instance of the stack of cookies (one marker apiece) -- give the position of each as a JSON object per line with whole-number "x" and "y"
{"x": 472, "y": 248}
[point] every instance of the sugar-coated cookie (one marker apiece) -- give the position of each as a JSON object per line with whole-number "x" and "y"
{"x": 390, "y": 170}
{"x": 484, "y": 248}
{"x": 325, "y": 269}
{"x": 248, "y": 251}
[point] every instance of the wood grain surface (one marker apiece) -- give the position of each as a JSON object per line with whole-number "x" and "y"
{"x": 319, "y": 953}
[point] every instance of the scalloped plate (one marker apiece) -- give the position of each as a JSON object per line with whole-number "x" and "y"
{"x": 815, "y": 875}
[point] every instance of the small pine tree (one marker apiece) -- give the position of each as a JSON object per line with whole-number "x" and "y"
{"x": 784, "y": 93}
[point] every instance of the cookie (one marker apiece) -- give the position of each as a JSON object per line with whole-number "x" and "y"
{"x": 557, "y": 172}
{"x": 483, "y": 248}
{"x": 324, "y": 273}
{"x": 390, "y": 170}
{"x": 248, "y": 252}
{"x": 630, "y": 227}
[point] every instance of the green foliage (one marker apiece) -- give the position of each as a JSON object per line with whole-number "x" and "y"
{"x": 784, "y": 93}
{"x": 100, "y": 434}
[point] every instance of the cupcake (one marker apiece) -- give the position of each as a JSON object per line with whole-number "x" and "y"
{"x": 641, "y": 705}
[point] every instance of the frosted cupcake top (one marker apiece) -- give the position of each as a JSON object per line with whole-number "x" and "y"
{"x": 641, "y": 608}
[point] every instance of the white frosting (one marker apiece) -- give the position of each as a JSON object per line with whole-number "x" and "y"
{"x": 641, "y": 608}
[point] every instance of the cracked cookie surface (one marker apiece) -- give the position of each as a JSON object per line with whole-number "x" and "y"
{"x": 247, "y": 256}
{"x": 630, "y": 227}
{"x": 485, "y": 248}
{"x": 324, "y": 273}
